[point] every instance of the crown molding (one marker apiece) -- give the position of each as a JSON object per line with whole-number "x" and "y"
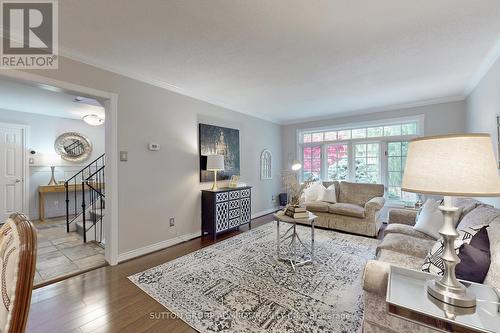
{"x": 483, "y": 69}
{"x": 154, "y": 81}
{"x": 391, "y": 107}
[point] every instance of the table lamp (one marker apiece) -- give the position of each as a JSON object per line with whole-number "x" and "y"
{"x": 451, "y": 165}
{"x": 296, "y": 166}
{"x": 215, "y": 163}
{"x": 51, "y": 160}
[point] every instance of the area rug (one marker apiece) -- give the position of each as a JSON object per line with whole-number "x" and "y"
{"x": 237, "y": 285}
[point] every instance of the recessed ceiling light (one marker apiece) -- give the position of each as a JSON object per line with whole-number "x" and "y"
{"x": 93, "y": 120}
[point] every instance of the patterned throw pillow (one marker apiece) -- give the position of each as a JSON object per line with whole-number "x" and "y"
{"x": 433, "y": 262}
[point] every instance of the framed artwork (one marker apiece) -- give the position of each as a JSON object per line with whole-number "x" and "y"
{"x": 216, "y": 140}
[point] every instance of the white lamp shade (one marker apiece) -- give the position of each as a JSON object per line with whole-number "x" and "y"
{"x": 215, "y": 162}
{"x": 452, "y": 165}
{"x": 51, "y": 159}
{"x": 296, "y": 165}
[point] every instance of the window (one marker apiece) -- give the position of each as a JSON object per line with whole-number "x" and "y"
{"x": 367, "y": 154}
{"x": 312, "y": 162}
{"x": 337, "y": 161}
{"x": 396, "y": 160}
{"x": 367, "y": 162}
{"x": 380, "y": 131}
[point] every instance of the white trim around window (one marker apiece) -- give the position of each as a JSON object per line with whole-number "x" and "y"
{"x": 382, "y": 141}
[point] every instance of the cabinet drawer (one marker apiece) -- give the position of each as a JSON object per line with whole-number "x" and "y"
{"x": 234, "y": 204}
{"x": 234, "y": 222}
{"x": 222, "y": 196}
{"x": 234, "y": 195}
{"x": 234, "y": 213}
{"x": 245, "y": 193}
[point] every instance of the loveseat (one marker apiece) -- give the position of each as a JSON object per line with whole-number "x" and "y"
{"x": 356, "y": 209}
{"x": 404, "y": 246}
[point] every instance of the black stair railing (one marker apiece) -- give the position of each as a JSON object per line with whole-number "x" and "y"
{"x": 95, "y": 184}
{"x": 79, "y": 193}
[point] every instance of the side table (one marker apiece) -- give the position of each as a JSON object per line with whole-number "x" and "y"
{"x": 408, "y": 299}
{"x": 295, "y": 243}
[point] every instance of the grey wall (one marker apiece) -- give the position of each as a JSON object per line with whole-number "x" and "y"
{"x": 438, "y": 119}
{"x": 43, "y": 131}
{"x": 154, "y": 186}
{"x": 483, "y": 104}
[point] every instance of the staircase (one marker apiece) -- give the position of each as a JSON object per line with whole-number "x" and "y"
{"x": 86, "y": 201}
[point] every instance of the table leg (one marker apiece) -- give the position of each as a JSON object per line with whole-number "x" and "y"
{"x": 312, "y": 241}
{"x": 278, "y": 238}
{"x": 41, "y": 206}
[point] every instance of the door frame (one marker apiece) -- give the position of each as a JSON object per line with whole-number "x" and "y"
{"x": 111, "y": 146}
{"x": 25, "y": 165}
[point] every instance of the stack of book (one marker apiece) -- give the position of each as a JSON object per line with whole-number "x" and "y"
{"x": 296, "y": 212}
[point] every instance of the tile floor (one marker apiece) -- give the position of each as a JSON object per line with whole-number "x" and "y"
{"x": 61, "y": 253}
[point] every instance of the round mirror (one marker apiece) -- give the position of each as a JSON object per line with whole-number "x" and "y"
{"x": 73, "y": 147}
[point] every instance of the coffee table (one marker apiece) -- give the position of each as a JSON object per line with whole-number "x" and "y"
{"x": 291, "y": 236}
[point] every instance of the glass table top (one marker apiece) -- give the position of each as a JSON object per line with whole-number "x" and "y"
{"x": 407, "y": 289}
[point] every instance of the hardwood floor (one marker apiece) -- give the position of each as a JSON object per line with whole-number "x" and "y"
{"x": 104, "y": 300}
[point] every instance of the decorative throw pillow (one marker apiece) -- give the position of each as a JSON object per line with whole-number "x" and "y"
{"x": 430, "y": 219}
{"x": 433, "y": 262}
{"x": 313, "y": 192}
{"x": 474, "y": 264}
{"x": 493, "y": 276}
{"x": 329, "y": 195}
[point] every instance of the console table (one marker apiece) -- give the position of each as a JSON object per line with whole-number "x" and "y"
{"x": 43, "y": 189}
{"x": 225, "y": 209}
{"x": 59, "y": 188}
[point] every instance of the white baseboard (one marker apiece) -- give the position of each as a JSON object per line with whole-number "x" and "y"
{"x": 156, "y": 247}
{"x": 264, "y": 212}
{"x": 173, "y": 241}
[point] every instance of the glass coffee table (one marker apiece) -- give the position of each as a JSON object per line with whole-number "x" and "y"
{"x": 298, "y": 253}
{"x": 408, "y": 299}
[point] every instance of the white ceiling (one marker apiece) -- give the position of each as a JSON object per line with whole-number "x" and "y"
{"x": 33, "y": 99}
{"x": 286, "y": 60}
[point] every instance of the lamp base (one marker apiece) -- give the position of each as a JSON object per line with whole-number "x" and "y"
{"x": 214, "y": 186}
{"x": 52, "y": 179}
{"x": 458, "y": 296}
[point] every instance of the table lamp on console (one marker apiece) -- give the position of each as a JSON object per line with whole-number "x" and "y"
{"x": 51, "y": 160}
{"x": 451, "y": 165}
{"x": 215, "y": 163}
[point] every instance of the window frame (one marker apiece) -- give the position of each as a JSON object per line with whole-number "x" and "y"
{"x": 382, "y": 141}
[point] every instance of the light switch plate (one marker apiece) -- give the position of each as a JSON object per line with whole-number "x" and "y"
{"x": 123, "y": 156}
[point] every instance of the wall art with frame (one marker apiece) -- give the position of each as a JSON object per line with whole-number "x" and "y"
{"x": 216, "y": 140}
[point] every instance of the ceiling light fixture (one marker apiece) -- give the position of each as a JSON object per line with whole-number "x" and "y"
{"x": 93, "y": 120}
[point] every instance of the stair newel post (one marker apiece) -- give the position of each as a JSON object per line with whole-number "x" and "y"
{"x": 102, "y": 203}
{"x": 83, "y": 213}
{"x": 67, "y": 206}
{"x": 75, "y": 200}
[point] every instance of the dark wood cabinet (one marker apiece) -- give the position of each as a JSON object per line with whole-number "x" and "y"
{"x": 225, "y": 209}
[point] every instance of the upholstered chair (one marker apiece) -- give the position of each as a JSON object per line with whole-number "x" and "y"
{"x": 17, "y": 269}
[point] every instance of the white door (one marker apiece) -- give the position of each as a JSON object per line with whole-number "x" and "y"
{"x": 11, "y": 171}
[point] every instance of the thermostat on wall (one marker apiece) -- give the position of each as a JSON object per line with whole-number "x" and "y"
{"x": 154, "y": 146}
